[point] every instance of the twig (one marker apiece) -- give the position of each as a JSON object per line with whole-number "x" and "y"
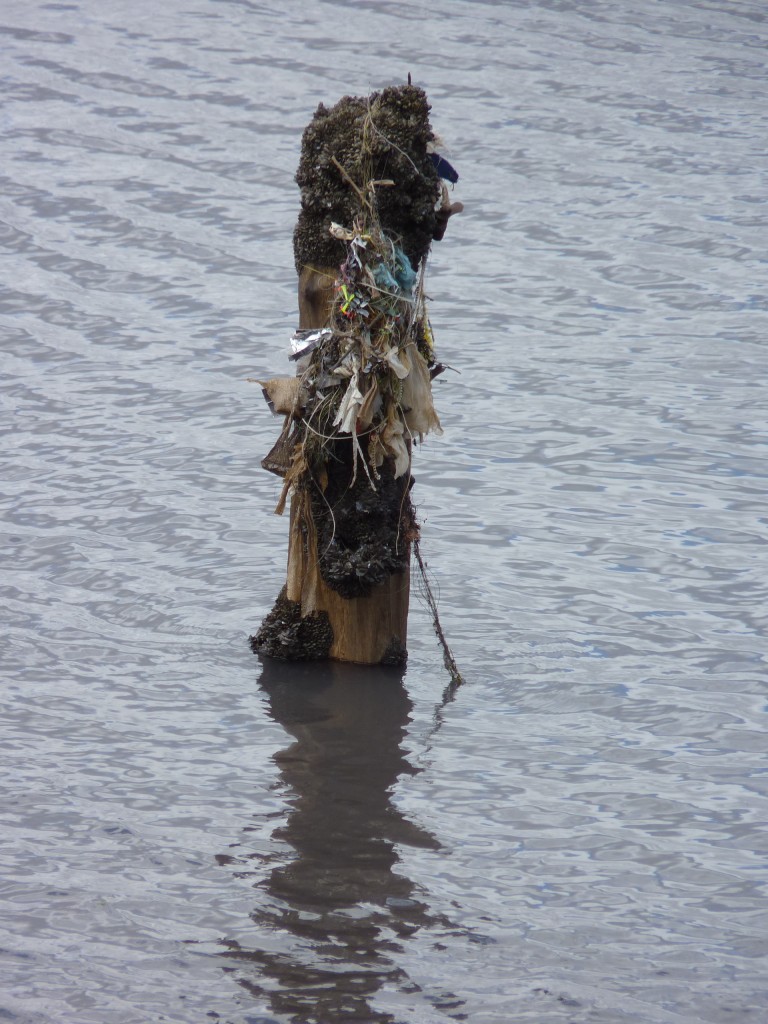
{"x": 350, "y": 182}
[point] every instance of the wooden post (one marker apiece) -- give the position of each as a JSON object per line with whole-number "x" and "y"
{"x": 346, "y": 598}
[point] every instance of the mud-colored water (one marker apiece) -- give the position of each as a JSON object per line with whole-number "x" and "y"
{"x": 579, "y": 835}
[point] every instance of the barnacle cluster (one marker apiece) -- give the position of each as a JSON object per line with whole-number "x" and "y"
{"x": 285, "y": 634}
{"x": 383, "y": 136}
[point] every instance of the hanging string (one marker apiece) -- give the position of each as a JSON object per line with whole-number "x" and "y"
{"x": 426, "y": 590}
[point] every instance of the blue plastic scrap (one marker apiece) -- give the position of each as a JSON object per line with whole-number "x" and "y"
{"x": 405, "y": 275}
{"x": 444, "y": 169}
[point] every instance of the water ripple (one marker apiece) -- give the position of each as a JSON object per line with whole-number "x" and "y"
{"x": 577, "y": 835}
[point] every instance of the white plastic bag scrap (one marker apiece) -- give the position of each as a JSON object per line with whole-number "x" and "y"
{"x": 349, "y": 408}
{"x": 398, "y": 361}
{"x": 393, "y": 441}
{"x": 349, "y": 365}
{"x": 419, "y": 411}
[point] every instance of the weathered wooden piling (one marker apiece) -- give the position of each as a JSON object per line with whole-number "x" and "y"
{"x": 371, "y": 206}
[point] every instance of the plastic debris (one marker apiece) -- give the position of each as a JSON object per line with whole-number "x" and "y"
{"x": 443, "y": 168}
{"x": 303, "y": 342}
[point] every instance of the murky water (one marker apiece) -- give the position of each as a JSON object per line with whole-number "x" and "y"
{"x": 580, "y": 834}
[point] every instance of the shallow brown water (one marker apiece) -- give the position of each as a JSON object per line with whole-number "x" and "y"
{"x": 578, "y": 835}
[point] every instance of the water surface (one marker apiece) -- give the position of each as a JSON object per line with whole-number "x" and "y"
{"x": 578, "y": 834}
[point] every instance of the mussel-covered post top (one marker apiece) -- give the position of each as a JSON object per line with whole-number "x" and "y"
{"x": 373, "y": 199}
{"x": 386, "y": 137}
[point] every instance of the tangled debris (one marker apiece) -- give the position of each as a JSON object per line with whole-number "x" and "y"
{"x": 363, "y": 396}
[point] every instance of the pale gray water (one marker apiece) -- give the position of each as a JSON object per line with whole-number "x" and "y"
{"x": 580, "y": 836}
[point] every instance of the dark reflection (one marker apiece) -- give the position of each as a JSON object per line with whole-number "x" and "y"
{"x": 335, "y": 916}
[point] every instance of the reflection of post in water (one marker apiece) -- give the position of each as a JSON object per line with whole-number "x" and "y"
{"x": 334, "y": 914}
